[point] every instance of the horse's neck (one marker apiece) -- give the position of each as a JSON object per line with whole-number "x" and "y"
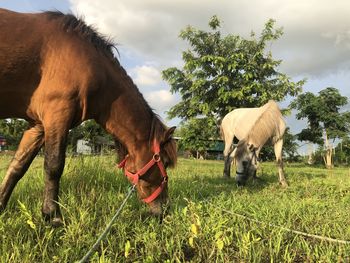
{"x": 127, "y": 116}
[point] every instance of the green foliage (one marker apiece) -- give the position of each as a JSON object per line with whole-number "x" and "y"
{"x": 224, "y": 72}
{"x": 342, "y": 151}
{"x": 290, "y": 146}
{"x": 201, "y": 225}
{"x": 195, "y": 135}
{"x": 290, "y": 149}
{"x": 12, "y": 130}
{"x": 89, "y": 131}
{"x": 323, "y": 115}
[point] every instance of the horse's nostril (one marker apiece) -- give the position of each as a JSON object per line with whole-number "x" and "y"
{"x": 240, "y": 181}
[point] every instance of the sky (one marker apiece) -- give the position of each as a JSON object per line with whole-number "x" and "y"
{"x": 315, "y": 44}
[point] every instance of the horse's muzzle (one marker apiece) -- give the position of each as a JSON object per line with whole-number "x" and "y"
{"x": 159, "y": 209}
{"x": 241, "y": 179}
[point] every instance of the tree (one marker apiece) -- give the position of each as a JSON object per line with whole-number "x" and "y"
{"x": 195, "y": 134}
{"x": 12, "y": 130}
{"x": 325, "y": 121}
{"x": 342, "y": 151}
{"x": 290, "y": 146}
{"x": 221, "y": 73}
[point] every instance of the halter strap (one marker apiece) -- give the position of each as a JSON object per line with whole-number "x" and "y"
{"x": 134, "y": 177}
{"x": 249, "y": 164}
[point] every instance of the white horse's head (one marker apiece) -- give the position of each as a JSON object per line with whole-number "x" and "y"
{"x": 246, "y": 161}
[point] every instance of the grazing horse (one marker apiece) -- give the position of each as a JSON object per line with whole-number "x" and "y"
{"x": 56, "y": 72}
{"x": 253, "y": 127}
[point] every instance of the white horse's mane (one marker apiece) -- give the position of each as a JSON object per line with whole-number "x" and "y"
{"x": 266, "y": 126}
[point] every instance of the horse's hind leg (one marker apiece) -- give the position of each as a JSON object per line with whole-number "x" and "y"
{"x": 55, "y": 146}
{"x": 278, "y": 153}
{"x": 28, "y": 148}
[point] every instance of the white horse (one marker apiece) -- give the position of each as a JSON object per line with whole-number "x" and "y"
{"x": 253, "y": 127}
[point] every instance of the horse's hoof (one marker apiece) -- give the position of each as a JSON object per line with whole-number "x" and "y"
{"x": 57, "y": 222}
{"x": 53, "y": 220}
{"x": 284, "y": 184}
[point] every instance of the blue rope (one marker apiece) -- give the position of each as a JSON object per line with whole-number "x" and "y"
{"x": 107, "y": 229}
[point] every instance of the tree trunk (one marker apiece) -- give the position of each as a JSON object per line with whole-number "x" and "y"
{"x": 329, "y": 150}
{"x": 311, "y": 154}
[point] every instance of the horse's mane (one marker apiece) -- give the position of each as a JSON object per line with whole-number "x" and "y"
{"x": 266, "y": 124}
{"x": 158, "y": 130}
{"x": 71, "y": 23}
{"x": 105, "y": 45}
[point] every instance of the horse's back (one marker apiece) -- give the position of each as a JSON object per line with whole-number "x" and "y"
{"x": 239, "y": 121}
{"x": 37, "y": 61}
{"x": 20, "y": 50}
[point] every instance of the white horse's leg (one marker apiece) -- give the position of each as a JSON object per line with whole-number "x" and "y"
{"x": 228, "y": 137}
{"x": 278, "y": 153}
{"x": 257, "y": 153}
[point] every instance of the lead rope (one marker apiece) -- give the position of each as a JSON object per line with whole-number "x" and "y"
{"x": 108, "y": 227}
{"x": 328, "y": 239}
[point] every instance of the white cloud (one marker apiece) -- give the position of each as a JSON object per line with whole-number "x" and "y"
{"x": 146, "y": 75}
{"x": 160, "y": 100}
{"x": 316, "y": 33}
{"x": 315, "y": 43}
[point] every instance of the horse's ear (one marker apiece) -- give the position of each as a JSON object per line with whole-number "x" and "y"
{"x": 169, "y": 133}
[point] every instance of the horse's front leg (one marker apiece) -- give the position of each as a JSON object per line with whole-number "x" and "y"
{"x": 278, "y": 153}
{"x": 227, "y": 166}
{"x": 55, "y": 148}
{"x": 228, "y": 155}
{"x": 28, "y": 148}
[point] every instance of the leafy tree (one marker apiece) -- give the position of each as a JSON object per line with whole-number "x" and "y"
{"x": 290, "y": 146}
{"x": 325, "y": 121}
{"x": 342, "y": 150}
{"x": 12, "y": 130}
{"x": 194, "y": 135}
{"x": 224, "y": 72}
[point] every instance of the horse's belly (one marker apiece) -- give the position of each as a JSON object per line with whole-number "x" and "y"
{"x": 14, "y": 101}
{"x": 17, "y": 86}
{"x": 12, "y": 108}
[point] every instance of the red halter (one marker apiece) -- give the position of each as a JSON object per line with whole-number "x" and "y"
{"x": 134, "y": 177}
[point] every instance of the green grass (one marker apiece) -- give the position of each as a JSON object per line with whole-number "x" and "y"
{"x": 198, "y": 228}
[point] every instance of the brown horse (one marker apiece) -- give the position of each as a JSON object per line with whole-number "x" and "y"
{"x": 56, "y": 72}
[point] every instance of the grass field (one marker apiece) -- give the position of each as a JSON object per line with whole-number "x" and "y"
{"x": 200, "y": 226}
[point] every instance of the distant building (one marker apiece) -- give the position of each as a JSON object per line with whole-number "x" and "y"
{"x": 214, "y": 152}
{"x": 84, "y": 147}
{"x": 98, "y": 146}
{"x": 3, "y": 144}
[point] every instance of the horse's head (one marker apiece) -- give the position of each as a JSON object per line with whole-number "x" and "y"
{"x": 147, "y": 170}
{"x": 246, "y": 161}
